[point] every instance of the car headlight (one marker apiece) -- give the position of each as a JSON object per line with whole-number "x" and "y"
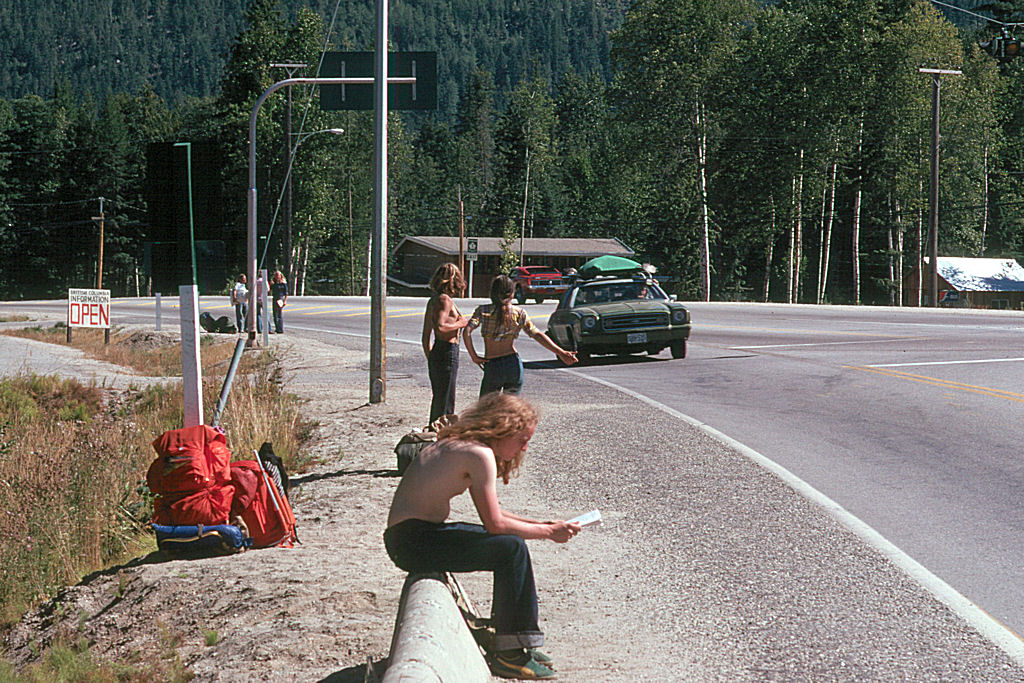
{"x": 679, "y": 315}
{"x": 589, "y": 322}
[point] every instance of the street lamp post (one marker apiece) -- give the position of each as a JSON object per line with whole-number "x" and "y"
{"x": 250, "y": 323}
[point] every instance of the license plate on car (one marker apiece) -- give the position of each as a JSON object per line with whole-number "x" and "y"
{"x": 636, "y": 338}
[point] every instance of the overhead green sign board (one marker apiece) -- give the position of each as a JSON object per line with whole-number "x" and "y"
{"x": 419, "y": 95}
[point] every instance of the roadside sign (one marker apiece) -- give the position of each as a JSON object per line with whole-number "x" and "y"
{"x": 948, "y": 296}
{"x": 471, "y": 246}
{"x": 471, "y": 256}
{"x": 401, "y": 96}
{"x": 89, "y": 308}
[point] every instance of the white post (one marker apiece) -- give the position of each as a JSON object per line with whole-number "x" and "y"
{"x": 191, "y": 370}
{"x": 267, "y": 315}
{"x": 469, "y": 284}
{"x": 159, "y": 321}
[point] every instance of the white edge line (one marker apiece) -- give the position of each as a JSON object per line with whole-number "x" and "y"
{"x": 984, "y": 623}
{"x": 946, "y": 362}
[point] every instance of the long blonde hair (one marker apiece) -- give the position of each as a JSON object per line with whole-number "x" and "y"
{"x": 494, "y": 417}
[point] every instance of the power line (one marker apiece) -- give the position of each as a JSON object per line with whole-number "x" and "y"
{"x": 974, "y": 14}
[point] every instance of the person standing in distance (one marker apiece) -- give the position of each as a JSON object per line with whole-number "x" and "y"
{"x": 279, "y": 295}
{"x": 239, "y": 297}
{"x": 442, "y": 321}
{"x": 500, "y": 323}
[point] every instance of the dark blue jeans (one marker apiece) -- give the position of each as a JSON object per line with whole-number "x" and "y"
{"x": 503, "y": 374}
{"x": 443, "y": 369}
{"x": 240, "y": 314}
{"x": 420, "y": 547}
{"x": 278, "y": 318}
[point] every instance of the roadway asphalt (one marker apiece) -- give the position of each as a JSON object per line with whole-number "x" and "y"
{"x": 712, "y": 564}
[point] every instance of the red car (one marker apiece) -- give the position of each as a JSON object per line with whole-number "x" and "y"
{"x": 538, "y": 283}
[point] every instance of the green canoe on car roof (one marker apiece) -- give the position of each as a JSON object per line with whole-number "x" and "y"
{"x": 608, "y": 265}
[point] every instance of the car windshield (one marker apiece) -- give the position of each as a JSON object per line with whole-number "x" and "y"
{"x": 541, "y": 270}
{"x": 603, "y": 292}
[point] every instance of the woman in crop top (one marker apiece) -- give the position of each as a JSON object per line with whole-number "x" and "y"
{"x": 500, "y": 323}
{"x": 443, "y": 320}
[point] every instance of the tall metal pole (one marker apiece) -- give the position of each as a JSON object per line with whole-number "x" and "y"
{"x": 933, "y": 199}
{"x": 933, "y": 193}
{"x": 378, "y": 257}
{"x": 462, "y": 235}
{"x": 288, "y": 190}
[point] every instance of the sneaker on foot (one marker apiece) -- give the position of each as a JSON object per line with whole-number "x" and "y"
{"x": 541, "y": 657}
{"x": 519, "y": 664}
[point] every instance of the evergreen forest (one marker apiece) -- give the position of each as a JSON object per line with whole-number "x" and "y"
{"x": 751, "y": 151}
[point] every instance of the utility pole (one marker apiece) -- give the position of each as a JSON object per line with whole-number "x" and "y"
{"x": 290, "y": 68}
{"x": 462, "y": 235}
{"x": 933, "y": 193}
{"x": 379, "y": 255}
{"x": 101, "y": 219}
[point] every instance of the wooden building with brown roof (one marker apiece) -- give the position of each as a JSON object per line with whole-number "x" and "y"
{"x": 414, "y": 259}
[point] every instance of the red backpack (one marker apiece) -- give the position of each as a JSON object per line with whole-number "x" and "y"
{"x": 262, "y": 505}
{"x": 191, "y": 477}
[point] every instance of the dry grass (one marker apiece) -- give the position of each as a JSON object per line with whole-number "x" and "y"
{"x": 73, "y": 459}
{"x": 148, "y": 353}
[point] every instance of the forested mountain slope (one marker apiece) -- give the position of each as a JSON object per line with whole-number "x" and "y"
{"x": 180, "y": 47}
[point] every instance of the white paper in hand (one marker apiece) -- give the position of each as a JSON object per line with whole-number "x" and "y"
{"x": 588, "y": 518}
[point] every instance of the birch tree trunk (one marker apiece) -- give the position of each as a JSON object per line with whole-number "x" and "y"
{"x": 305, "y": 264}
{"x": 702, "y": 188}
{"x": 890, "y": 244}
{"x": 768, "y": 251}
{"x": 798, "y": 251}
{"x": 899, "y": 253}
{"x": 792, "y": 243}
{"x": 526, "y": 197}
{"x": 855, "y": 227}
{"x": 984, "y": 210}
{"x": 830, "y": 218}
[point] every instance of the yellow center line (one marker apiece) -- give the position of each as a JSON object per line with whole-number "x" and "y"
{"x": 944, "y": 383}
{"x": 307, "y": 308}
{"x": 404, "y": 315}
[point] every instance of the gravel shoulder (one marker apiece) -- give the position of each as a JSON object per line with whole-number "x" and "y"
{"x": 706, "y": 568}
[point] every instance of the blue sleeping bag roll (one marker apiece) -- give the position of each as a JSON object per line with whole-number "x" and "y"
{"x": 199, "y": 539}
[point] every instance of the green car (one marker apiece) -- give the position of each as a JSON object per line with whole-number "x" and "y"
{"x": 620, "y": 316}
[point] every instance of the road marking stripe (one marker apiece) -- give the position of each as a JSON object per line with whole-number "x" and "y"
{"x": 987, "y": 625}
{"x": 291, "y": 309}
{"x": 946, "y": 362}
{"x": 944, "y": 383}
{"x": 835, "y": 343}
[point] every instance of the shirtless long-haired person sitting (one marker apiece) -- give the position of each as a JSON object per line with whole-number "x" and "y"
{"x": 486, "y": 443}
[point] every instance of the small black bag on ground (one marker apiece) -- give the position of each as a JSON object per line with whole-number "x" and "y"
{"x": 219, "y": 325}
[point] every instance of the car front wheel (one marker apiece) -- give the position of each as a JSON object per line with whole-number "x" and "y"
{"x": 539, "y": 299}
{"x": 678, "y": 349}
